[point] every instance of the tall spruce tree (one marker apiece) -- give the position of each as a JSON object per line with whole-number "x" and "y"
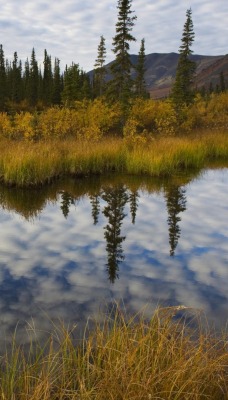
{"x": 182, "y": 92}
{"x": 99, "y": 69}
{"x": 47, "y": 81}
{"x": 120, "y": 87}
{"x": 33, "y": 80}
{"x": 57, "y": 83}
{"x": 140, "y": 84}
{"x": 2, "y": 79}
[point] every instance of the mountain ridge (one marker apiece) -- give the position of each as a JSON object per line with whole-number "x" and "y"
{"x": 161, "y": 70}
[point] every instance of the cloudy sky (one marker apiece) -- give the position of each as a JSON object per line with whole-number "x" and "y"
{"x": 71, "y": 29}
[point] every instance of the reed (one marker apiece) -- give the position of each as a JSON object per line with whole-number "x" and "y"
{"x": 123, "y": 357}
{"x": 27, "y": 163}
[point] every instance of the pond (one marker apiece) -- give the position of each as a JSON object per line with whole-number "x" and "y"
{"x": 78, "y": 244}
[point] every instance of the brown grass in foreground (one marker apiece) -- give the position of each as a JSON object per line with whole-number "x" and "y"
{"x": 121, "y": 358}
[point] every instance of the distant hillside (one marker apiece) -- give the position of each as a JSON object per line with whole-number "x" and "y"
{"x": 161, "y": 70}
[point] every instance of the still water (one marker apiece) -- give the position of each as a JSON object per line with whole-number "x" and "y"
{"x": 68, "y": 248}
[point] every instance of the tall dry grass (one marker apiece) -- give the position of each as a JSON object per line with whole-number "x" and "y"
{"x": 31, "y": 163}
{"x": 121, "y": 358}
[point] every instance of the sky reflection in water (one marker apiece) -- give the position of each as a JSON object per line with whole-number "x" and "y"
{"x": 71, "y": 247}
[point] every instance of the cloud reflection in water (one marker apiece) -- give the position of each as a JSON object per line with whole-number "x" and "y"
{"x": 56, "y": 263}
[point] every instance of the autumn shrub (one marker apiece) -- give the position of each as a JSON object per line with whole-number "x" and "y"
{"x": 158, "y": 117}
{"x": 5, "y": 125}
{"x": 217, "y": 109}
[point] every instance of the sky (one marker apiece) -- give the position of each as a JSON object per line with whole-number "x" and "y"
{"x": 70, "y": 30}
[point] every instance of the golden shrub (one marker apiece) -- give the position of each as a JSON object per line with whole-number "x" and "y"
{"x": 131, "y": 133}
{"x": 155, "y": 116}
{"x": 6, "y": 128}
{"x": 24, "y": 126}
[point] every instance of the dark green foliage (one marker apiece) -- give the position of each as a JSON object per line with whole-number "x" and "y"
{"x": 222, "y": 82}
{"x": 100, "y": 70}
{"x": 15, "y": 81}
{"x": 33, "y": 80}
{"x": 120, "y": 87}
{"x": 76, "y": 85}
{"x": 47, "y": 81}
{"x": 182, "y": 92}
{"x": 2, "y": 79}
{"x": 140, "y": 84}
{"x": 57, "y": 84}
{"x": 31, "y": 87}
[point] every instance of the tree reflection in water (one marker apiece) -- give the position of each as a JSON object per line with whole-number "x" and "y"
{"x": 66, "y": 201}
{"x": 175, "y": 203}
{"x": 116, "y": 199}
{"x": 95, "y": 204}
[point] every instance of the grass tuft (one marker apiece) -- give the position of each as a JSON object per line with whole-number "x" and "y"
{"x": 121, "y": 358}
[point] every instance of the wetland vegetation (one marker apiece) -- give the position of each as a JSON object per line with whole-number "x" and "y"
{"x": 54, "y": 125}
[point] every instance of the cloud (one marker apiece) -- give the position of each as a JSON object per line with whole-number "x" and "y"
{"x": 71, "y": 30}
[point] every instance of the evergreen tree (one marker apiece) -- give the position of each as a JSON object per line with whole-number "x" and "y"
{"x": 140, "y": 84}
{"x": 26, "y": 75}
{"x": 100, "y": 70}
{"x": 211, "y": 87}
{"x": 15, "y": 80}
{"x": 222, "y": 82}
{"x": 3, "y": 89}
{"x": 47, "y": 82}
{"x": 57, "y": 83}
{"x": 120, "y": 86}
{"x": 182, "y": 92}
{"x": 33, "y": 80}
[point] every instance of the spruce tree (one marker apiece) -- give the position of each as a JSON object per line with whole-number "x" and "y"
{"x": 47, "y": 83}
{"x": 222, "y": 82}
{"x": 182, "y": 92}
{"x": 57, "y": 83}
{"x": 140, "y": 84}
{"x": 2, "y": 79}
{"x": 120, "y": 87}
{"x": 16, "y": 80}
{"x": 33, "y": 80}
{"x": 100, "y": 70}
{"x": 26, "y": 74}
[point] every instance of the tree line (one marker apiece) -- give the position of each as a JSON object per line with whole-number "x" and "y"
{"x": 30, "y": 86}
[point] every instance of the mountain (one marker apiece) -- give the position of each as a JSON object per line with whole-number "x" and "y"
{"x": 161, "y": 71}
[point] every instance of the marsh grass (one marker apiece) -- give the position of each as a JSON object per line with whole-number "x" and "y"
{"x": 122, "y": 357}
{"x": 26, "y": 163}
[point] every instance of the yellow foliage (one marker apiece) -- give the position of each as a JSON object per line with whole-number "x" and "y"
{"x": 154, "y": 116}
{"x": 23, "y": 125}
{"x": 131, "y": 133}
{"x": 217, "y": 109}
{"x": 5, "y": 125}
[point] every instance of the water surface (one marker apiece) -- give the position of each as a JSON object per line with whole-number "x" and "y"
{"x": 70, "y": 247}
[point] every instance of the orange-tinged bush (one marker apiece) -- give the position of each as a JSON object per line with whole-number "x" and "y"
{"x": 154, "y": 116}
{"x": 5, "y": 125}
